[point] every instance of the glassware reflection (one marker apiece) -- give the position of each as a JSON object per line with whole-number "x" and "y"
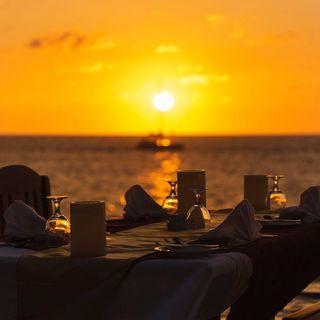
{"x": 167, "y": 164}
{"x": 198, "y": 215}
{"x": 58, "y": 223}
{"x": 170, "y": 203}
{"x": 276, "y": 198}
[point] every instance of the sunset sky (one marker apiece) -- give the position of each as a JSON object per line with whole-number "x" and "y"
{"x": 92, "y": 67}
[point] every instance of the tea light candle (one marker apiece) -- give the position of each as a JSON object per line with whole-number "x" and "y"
{"x": 256, "y": 190}
{"x": 188, "y": 180}
{"x": 88, "y": 229}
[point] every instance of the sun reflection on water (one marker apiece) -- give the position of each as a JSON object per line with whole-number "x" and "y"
{"x": 167, "y": 165}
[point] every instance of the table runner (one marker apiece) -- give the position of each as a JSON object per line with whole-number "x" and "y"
{"x": 117, "y": 225}
{"x": 52, "y": 285}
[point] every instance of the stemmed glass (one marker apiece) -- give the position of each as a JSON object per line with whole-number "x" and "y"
{"x": 58, "y": 223}
{"x": 198, "y": 209}
{"x": 170, "y": 203}
{"x": 276, "y": 198}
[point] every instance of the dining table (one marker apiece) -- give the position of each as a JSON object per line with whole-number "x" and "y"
{"x": 256, "y": 280}
{"x": 131, "y": 281}
{"x": 283, "y": 266}
{"x": 284, "y": 263}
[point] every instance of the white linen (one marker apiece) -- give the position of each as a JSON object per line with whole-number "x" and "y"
{"x": 22, "y": 222}
{"x": 310, "y": 204}
{"x": 308, "y": 209}
{"x": 139, "y": 204}
{"x": 175, "y": 289}
{"x": 239, "y": 226}
{"x": 155, "y": 289}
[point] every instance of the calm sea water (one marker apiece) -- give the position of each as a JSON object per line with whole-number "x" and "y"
{"x": 104, "y": 168}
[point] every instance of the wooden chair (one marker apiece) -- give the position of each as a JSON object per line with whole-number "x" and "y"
{"x": 309, "y": 313}
{"x": 19, "y": 182}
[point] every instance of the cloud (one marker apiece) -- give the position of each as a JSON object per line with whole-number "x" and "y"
{"x": 194, "y": 79}
{"x": 238, "y": 34}
{"x": 95, "y": 68}
{"x": 215, "y": 18}
{"x": 190, "y": 68}
{"x": 283, "y": 37}
{"x": 73, "y": 41}
{"x": 166, "y": 48}
{"x": 204, "y": 79}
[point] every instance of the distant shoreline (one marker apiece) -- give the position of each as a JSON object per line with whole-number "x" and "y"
{"x": 235, "y": 136}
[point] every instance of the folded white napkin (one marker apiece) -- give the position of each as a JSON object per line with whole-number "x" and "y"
{"x": 139, "y": 204}
{"x": 22, "y": 222}
{"x": 308, "y": 209}
{"x": 239, "y": 227}
{"x": 310, "y": 204}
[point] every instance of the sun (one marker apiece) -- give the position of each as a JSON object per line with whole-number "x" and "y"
{"x": 163, "y": 101}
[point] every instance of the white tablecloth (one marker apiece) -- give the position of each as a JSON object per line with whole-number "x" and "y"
{"x": 181, "y": 289}
{"x": 8, "y": 282}
{"x": 155, "y": 289}
{"x": 163, "y": 289}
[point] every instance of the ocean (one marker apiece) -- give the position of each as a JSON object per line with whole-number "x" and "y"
{"x": 103, "y": 168}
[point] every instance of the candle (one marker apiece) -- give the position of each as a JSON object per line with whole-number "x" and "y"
{"x": 88, "y": 229}
{"x": 187, "y": 181}
{"x": 256, "y": 190}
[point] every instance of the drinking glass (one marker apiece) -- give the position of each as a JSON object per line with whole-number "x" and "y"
{"x": 198, "y": 208}
{"x": 170, "y": 203}
{"x": 276, "y": 198}
{"x": 58, "y": 223}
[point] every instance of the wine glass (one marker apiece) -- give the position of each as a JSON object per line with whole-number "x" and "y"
{"x": 170, "y": 203}
{"x": 58, "y": 223}
{"x": 198, "y": 211}
{"x": 276, "y": 198}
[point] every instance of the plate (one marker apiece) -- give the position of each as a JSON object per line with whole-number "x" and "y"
{"x": 279, "y": 222}
{"x": 187, "y": 251}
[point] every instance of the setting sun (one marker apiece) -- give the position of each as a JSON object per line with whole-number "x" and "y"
{"x": 163, "y": 101}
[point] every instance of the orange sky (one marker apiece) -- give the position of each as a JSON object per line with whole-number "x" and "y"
{"x": 91, "y": 67}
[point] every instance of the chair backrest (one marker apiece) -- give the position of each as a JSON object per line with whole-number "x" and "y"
{"x": 19, "y": 182}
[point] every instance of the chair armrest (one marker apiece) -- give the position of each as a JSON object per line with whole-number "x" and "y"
{"x": 304, "y": 314}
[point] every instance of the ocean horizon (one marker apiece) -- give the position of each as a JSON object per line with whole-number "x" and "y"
{"x": 103, "y": 168}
